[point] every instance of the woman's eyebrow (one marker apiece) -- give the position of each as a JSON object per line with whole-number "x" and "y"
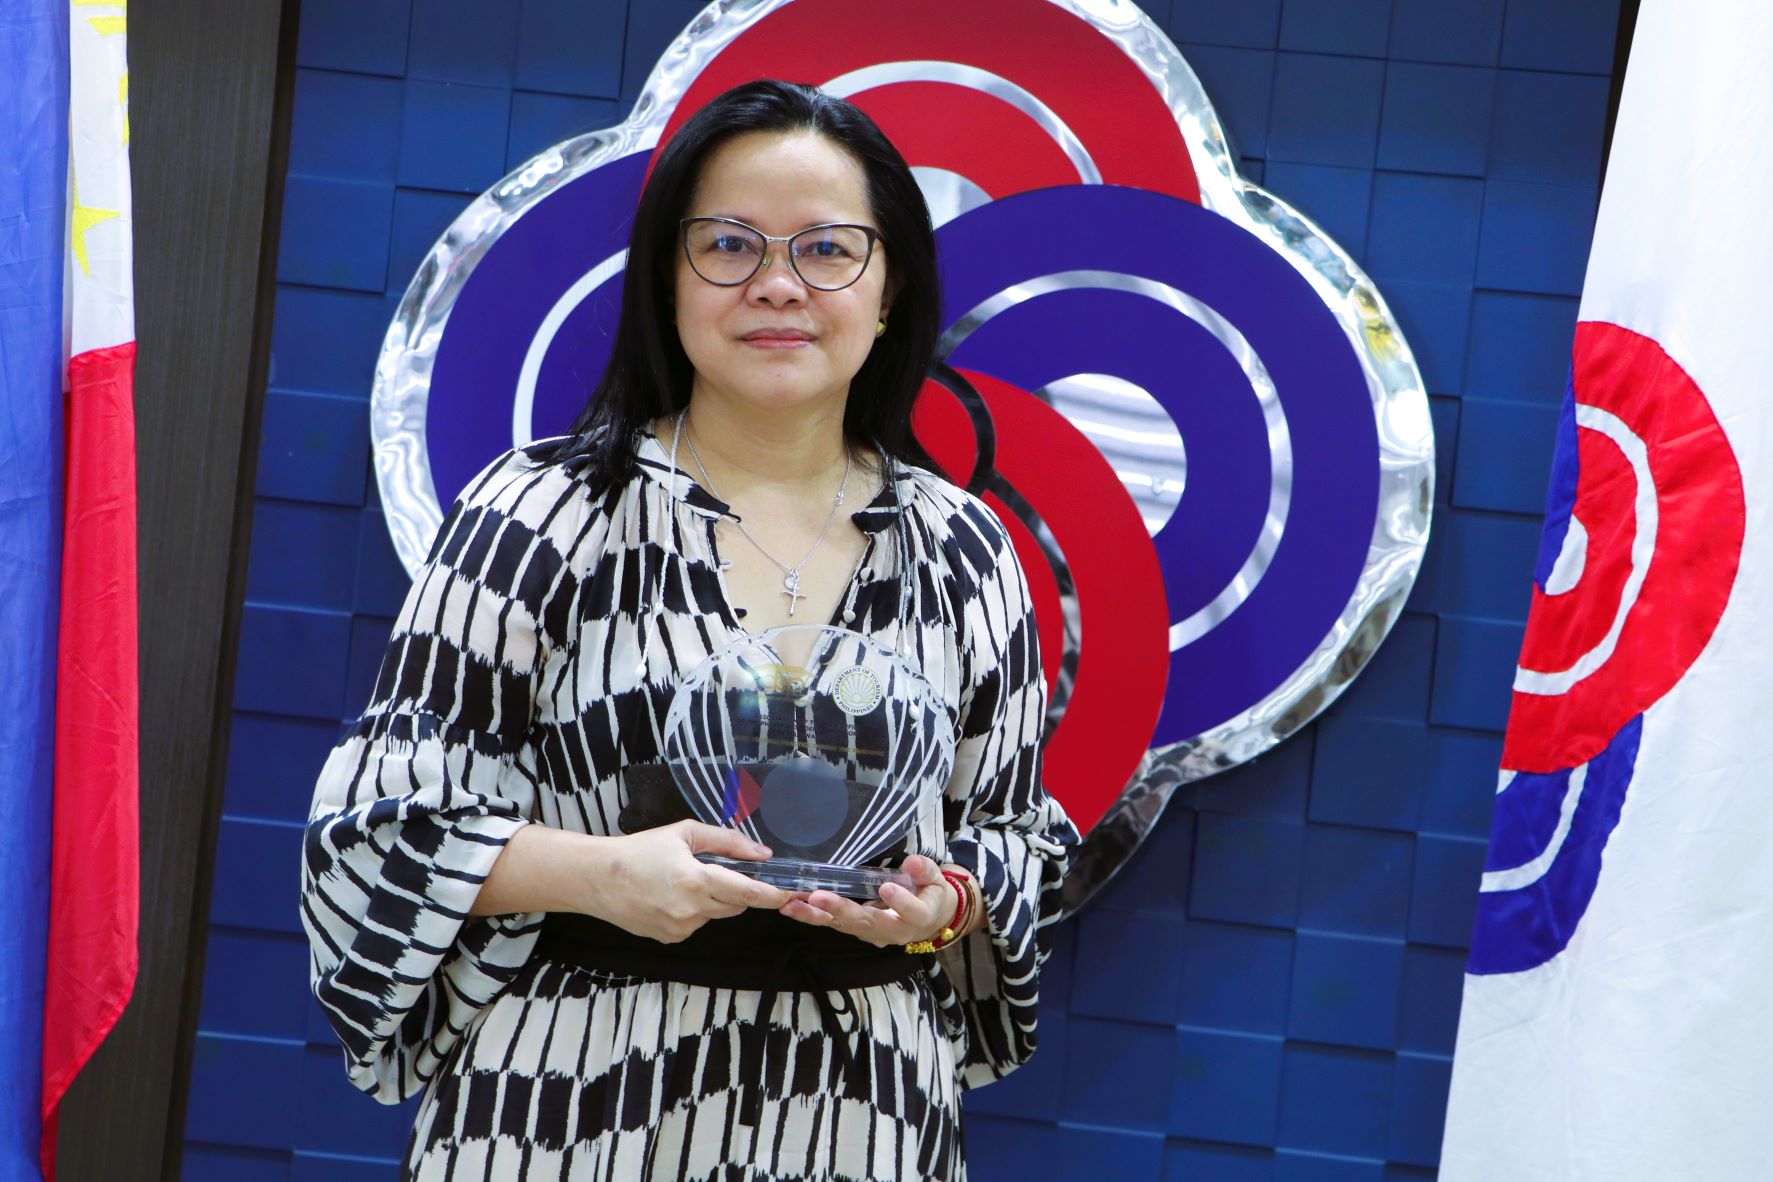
{"x": 828, "y": 221}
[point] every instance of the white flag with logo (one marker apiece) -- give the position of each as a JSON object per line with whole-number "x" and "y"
{"x": 1618, "y": 1015}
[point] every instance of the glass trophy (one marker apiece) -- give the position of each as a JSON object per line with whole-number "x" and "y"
{"x": 820, "y": 743}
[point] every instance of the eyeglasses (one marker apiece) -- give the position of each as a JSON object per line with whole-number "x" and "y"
{"x": 727, "y": 252}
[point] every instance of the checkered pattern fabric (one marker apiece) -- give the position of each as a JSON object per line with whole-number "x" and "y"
{"x": 526, "y": 681}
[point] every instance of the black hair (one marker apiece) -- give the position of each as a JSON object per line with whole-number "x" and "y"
{"x": 649, "y": 375}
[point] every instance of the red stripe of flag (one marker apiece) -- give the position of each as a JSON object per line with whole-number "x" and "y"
{"x": 94, "y": 876}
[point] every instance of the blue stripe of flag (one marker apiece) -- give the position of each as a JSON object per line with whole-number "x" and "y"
{"x": 33, "y": 185}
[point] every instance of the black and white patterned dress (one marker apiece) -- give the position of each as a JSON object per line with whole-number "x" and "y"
{"x": 526, "y": 680}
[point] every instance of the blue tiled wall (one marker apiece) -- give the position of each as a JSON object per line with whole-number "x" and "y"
{"x": 1269, "y": 992}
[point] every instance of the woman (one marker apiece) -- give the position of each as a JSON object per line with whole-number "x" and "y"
{"x": 505, "y": 911}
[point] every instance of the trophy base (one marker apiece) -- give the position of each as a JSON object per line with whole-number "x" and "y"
{"x": 791, "y": 874}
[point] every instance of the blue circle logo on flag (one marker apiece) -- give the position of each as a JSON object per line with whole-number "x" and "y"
{"x": 1194, "y": 414}
{"x": 1544, "y": 860}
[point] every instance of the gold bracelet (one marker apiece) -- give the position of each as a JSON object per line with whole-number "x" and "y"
{"x": 946, "y": 935}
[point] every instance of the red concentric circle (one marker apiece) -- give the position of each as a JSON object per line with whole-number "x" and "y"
{"x": 1699, "y": 522}
{"x": 1124, "y": 661}
{"x": 1060, "y": 59}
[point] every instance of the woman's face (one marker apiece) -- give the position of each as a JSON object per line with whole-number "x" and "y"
{"x": 772, "y": 342}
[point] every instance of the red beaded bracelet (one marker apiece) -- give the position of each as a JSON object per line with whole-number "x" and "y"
{"x": 963, "y": 904}
{"x": 952, "y": 929}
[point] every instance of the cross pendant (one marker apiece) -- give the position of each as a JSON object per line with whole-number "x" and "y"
{"x": 791, "y": 586}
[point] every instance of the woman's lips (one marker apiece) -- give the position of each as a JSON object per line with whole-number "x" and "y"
{"x": 772, "y": 341}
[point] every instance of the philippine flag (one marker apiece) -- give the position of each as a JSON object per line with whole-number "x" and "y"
{"x": 68, "y": 691}
{"x": 1616, "y": 1024}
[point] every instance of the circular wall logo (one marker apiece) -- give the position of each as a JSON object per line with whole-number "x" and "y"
{"x": 1193, "y": 412}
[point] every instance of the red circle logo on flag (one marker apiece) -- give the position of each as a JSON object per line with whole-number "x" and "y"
{"x": 1644, "y": 531}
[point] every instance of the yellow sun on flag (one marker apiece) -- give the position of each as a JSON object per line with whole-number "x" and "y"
{"x": 104, "y": 24}
{"x": 84, "y": 218}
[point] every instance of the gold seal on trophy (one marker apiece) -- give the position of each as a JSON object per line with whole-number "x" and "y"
{"x": 856, "y": 691}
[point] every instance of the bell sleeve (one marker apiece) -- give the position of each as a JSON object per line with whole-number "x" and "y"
{"x": 421, "y": 794}
{"x": 1002, "y": 826}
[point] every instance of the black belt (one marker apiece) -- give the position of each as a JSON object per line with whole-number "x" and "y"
{"x": 755, "y": 950}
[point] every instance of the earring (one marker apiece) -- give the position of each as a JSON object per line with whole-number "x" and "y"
{"x": 880, "y": 328}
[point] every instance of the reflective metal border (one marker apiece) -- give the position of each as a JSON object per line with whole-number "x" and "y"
{"x": 1400, "y": 404}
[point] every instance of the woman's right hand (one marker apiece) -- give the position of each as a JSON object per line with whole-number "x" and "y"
{"x": 651, "y": 884}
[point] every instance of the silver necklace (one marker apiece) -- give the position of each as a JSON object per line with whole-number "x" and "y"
{"x": 790, "y": 574}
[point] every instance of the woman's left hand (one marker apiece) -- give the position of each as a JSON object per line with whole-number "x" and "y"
{"x": 899, "y": 917}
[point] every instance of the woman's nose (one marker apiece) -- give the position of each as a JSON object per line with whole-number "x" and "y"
{"x": 776, "y": 278}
